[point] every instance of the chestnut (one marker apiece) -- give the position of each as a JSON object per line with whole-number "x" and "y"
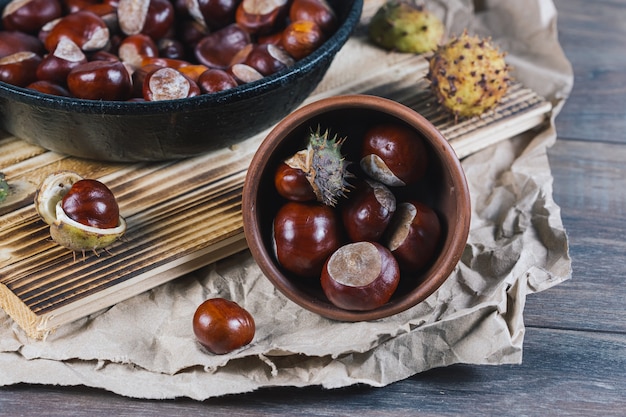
{"x": 85, "y": 29}
{"x": 292, "y": 183}
{"x": 14, "y": 41}
{"x": 218, "y": 49}
{"x": 100, "y": 80}
{"x": 318, "y": 11}
{"x": 261, "y": 17}
{"x": 168, "y": 84}
{"x": 171, "y": 48}
{"x": 20, "y": 68}
{"x": 222, "y": 326}
{"x": 268, "y": 59}
{"x": 214, "y": 80}
{"x": 301, "y": 38}
{"x": 368, "y": 211}
{"x": 56, "y": 65}
{"x": 305, "y": 234}
{"x": 81, "y": 217}
{"x": 135, "y": 48}
{"x": 48, "y": 87}
{"x": 414, "y": 235}
{"x": 394, "y": 154}
{"x": 91, "y": 203}
{"x": 360, "y": 276}
{"x": 215, "y": 14}
{"x": 154, "y": 18}
{"x": 29, "y": 16}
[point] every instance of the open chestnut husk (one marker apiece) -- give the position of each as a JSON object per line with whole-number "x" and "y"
{"x": 83, "y": 214}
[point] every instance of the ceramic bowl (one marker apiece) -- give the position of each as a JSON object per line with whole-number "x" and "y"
{"x": 150, "y": 131}
{"x": 444, "y": 189}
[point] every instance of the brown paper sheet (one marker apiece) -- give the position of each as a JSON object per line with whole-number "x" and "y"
{"x": 144, "y": 347}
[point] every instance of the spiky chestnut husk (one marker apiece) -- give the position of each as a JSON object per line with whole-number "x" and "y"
{"x": 404, "y": 26}
{"x": 4, "y": 188}
{"x": 325, "y": 168}
{"x": 468, "y": 75}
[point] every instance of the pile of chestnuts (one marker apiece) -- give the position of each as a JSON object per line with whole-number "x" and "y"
{"x": 148, "y": 50}
{"x": 377, "y": 236}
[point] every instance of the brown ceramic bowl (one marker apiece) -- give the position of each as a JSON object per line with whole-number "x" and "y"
{"x": 444, "y": 189}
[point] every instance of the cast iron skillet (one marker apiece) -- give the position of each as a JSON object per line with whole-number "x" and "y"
{"x": 151, "y": 131}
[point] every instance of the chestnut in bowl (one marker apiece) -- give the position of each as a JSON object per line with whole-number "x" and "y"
{"x": 152, "y": 131}
{"x": 442, "y": 187}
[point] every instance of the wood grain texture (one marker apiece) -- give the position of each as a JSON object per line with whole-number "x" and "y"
{"x": 573, "y": 361}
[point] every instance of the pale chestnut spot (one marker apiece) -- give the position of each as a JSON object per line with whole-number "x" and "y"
{"x": 168, "y": 84}
{"x": 132, "y": 15}
{"x": 383, "y": 195}
{"x": 401, "y": 225}
{"x": 376, "y": 168}
{"x": 355, "y": 265}
{"x": 262, "y": 7}
{"x": 67, "y": 50}
{"x": 98, "y": 40}
{"x": 17, "y": 57}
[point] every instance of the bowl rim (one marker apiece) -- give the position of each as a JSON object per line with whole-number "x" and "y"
{"x": 453, "y": 246}
{"x": 250, "y": 90}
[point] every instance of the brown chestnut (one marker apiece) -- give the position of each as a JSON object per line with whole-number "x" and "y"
{"x": 368, "y": 211}
{"x": 394, "y": 154}
{"x": 260, "y": 17}
{"x": 91, "y": 203}
{"x": 215, "y": 14}
{"x": 318, "y": 11}
{"x": 135, "y": 48}
{"x": 301, "y": 38}
{"x": 222, "y": 326}
{"x": 360, "y": 276}
{"x": 215, "y": 80}
{"x": 218, "y": 49}
{"x": 414, "y": 235}
{"x": 293, "y": 184}
{"x": 168, "y": 84}
{"x": 13, "y": 41}
{"x": 47, "y": 87}
{"x": 20, "y": 68}
{"x": 154, "y": 18}
{"x": 29, "y": 16}
{"x": 100, "y": 80}
{"x": 268, "y": 59}
{"x": 56, "y": 65}
{"x": 304, "y": 236}
{"x": 85, "y": 29}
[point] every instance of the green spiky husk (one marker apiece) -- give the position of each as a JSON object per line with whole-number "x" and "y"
{"x": 325, "y": 168}
{"x": 403, "y": 26}
{"x": 468, "y": 75}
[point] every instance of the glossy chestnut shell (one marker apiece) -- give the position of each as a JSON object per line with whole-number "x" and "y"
{"x": 222, "y": 326}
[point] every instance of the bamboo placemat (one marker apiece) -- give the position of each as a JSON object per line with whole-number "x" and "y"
{"x": 185, "y": 214}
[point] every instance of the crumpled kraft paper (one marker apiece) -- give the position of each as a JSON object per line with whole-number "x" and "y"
{"x": 144, "y": 347}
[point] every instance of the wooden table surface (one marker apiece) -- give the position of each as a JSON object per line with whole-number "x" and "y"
{"x": 575, "y": 346}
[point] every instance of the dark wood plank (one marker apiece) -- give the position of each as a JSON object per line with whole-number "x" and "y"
{"x": 593, "y": 36}
{"x": 589, "y": 187}
{"x": 565, "y": 373}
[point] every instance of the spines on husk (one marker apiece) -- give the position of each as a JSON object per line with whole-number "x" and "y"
{"x": 468, "y": 75}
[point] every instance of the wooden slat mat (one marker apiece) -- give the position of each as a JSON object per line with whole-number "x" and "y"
{"x": 186, "y": 214}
